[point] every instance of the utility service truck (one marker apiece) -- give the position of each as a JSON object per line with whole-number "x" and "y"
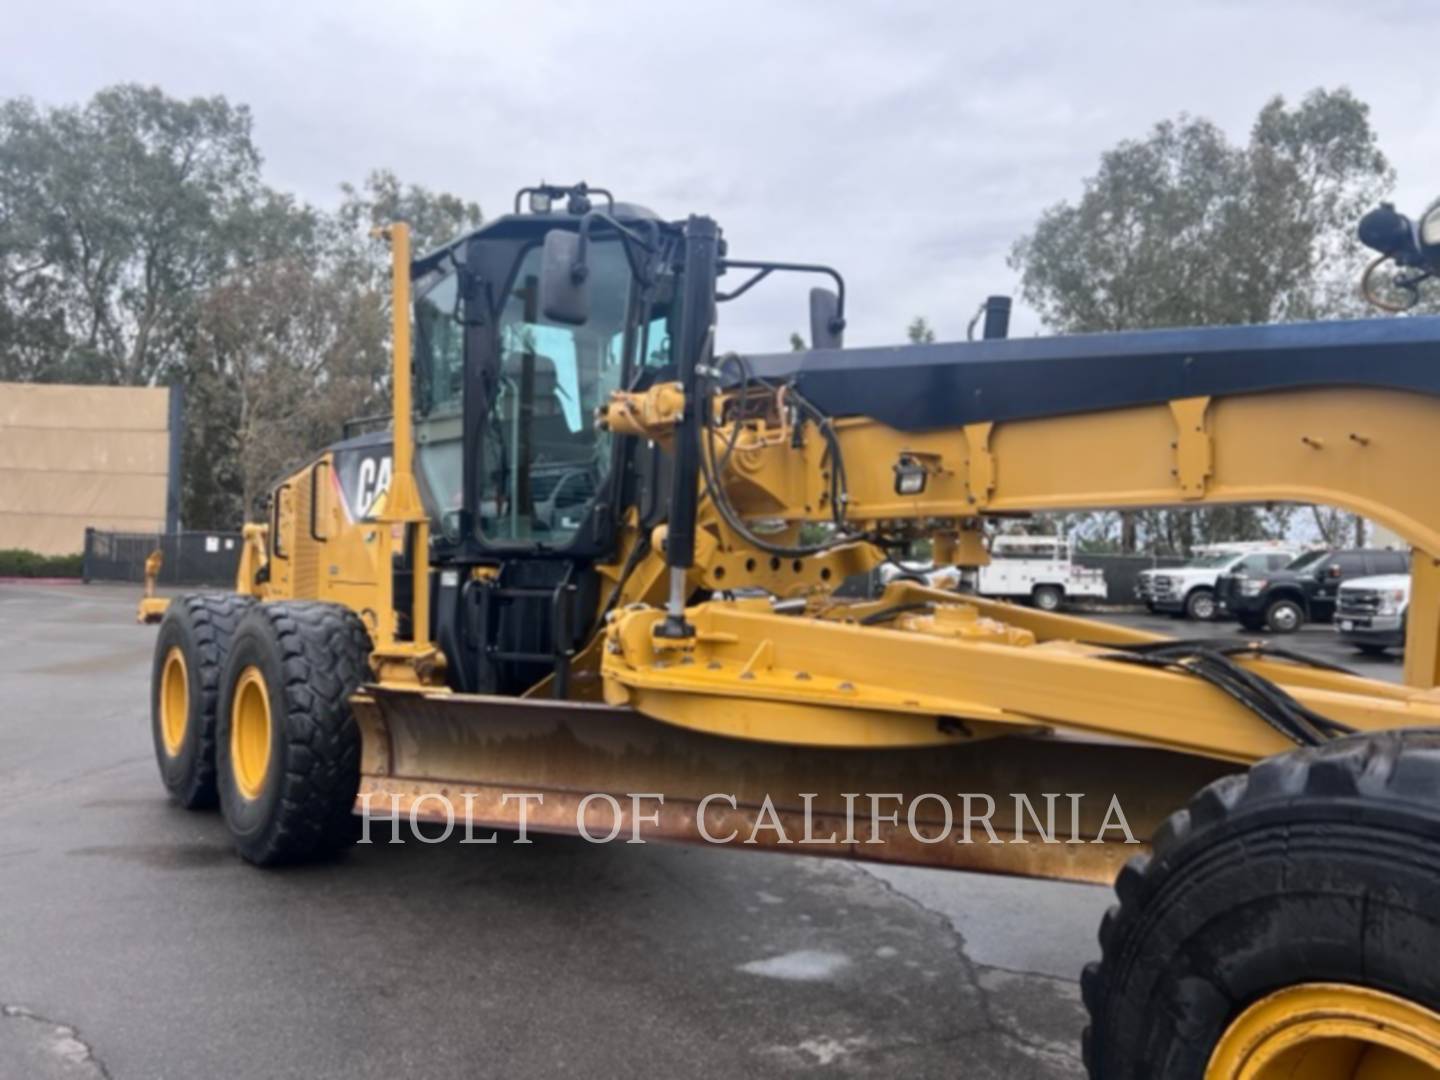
{"x": 1038, "y": 569}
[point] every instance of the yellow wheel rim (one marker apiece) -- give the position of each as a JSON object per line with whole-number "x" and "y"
{"x": 174, "y": 701}
{"x": 250, "y": 733}
{"x": 1329, "y": 1031}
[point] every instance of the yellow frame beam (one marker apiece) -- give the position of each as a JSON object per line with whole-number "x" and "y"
{"x": 751, "y": 674}
{"x": 1364, "y": 449}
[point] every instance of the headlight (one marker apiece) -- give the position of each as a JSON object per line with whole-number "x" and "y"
{"x": 1430, "y": 226}
{"x": 1390, "y": 602}
{"x": 909, "y": 476}
{"x": 1252, "y": 586}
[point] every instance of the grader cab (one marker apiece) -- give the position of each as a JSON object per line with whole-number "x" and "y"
{"x": 590, "y": 581}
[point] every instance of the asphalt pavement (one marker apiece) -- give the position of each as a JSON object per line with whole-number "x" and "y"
{"x": 135, "y": 944}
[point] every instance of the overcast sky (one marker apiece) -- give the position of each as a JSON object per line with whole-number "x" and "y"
{"x": 908, "y": 144}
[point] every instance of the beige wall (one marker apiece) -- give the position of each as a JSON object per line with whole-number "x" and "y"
{"x": 72, "y": 456}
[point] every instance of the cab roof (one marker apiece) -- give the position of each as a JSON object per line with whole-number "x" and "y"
{"x": 514, "y": 224}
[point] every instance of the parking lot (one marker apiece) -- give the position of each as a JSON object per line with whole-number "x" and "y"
{"x": 133, "y": 943}
{"x": 1317, "y": 640}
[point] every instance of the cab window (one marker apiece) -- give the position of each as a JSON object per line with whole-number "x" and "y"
{"x": 1387, "y": 562}
{"x": 440, "y": 349}
{"x": 542, "y": 459}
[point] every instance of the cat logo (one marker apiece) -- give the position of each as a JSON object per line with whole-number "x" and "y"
{"x": 372, "y": 481}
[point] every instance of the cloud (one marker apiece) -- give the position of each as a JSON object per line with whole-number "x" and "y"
{"x": 909, "y": 144}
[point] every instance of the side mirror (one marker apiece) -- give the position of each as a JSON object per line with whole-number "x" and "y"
{"x": 827, "y": 323}
{"x": 564, "y": 279}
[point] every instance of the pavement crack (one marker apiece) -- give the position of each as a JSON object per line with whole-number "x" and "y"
{"x": 1021, "y": 973}
{"x": 973, "y": 975}
{"x": 66, "y": 1041}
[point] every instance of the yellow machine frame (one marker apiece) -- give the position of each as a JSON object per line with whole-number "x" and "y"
{"x": 923, "y": 726}
{"x": 928, "y": 685}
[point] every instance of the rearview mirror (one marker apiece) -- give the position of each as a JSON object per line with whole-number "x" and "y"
{"x": 564, "y": 284}
{"x": 827, "y": 327}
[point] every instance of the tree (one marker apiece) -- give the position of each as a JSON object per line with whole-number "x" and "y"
{"x": 291, "y": 347}
{"x": 285, "y": 352}
{"x": 920, "y": 332}
{"x": 139, "y": 245}
{"x": 1338, "y": 528}
{"x": 382, "y": 199}
{"x": 113, "y": 216}
{"x": 1183, "y": 228}
{"x": 797, "y": 343}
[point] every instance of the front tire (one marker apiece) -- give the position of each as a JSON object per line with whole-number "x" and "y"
{"x": 288, "y": 749}
{"x": 1284, "y": 617}
{"x": 185, "y": 678}
{"x": 1317, "y": 869}
{"x": 1200, "y": 605}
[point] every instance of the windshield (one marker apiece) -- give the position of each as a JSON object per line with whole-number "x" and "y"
{"x": 1305, "y": 560}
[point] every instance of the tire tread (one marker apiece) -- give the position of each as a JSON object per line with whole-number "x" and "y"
{"x": 212, "y": 619}
{"x": 324, "y": 654}
{"x": 1400, "y": 769}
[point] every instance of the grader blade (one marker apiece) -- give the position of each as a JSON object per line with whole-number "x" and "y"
{"x": 612, "y": 773}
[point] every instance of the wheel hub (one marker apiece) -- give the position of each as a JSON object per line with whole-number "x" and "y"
{"x": 174, "y": 701}
{"x": 1329, "y": 1031}
{"x": 250, "y": 733}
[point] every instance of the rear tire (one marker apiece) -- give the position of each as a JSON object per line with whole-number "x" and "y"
{"x": 190, "y": 651}
{"x": 288, "y": 749}
{"x": 1047, "y": 597}
{"x": 1284, "y": 617}
{"x": 1319, "y": 866}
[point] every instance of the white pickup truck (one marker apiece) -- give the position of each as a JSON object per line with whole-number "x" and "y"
{"x": 1370, "y": 612}
{"x": 1189, "y": 590}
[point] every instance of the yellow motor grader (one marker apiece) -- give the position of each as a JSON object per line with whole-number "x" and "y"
{"x": 596, "y": 558}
